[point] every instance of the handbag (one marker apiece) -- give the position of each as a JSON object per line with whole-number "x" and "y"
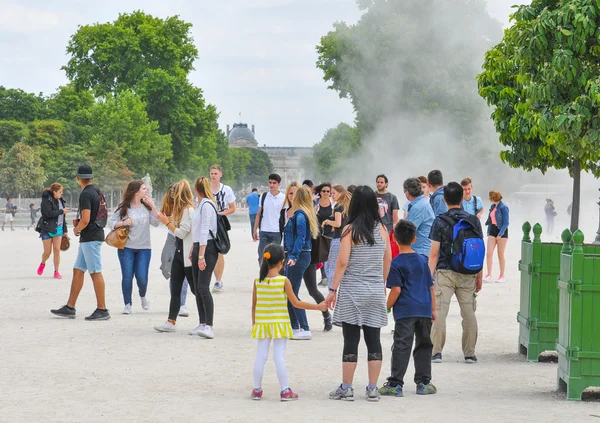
{"x": 65, "y": 243}
{"x": 320, "y": 249}
{"x": 221, "y": 238}
{"x": 118, "y": 237}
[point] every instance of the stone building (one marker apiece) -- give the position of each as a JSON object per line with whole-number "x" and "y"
{"x": 287, "y": 161}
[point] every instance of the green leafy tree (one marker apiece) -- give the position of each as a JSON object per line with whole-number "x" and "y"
{"x": 115, "y": 56}
{"x": 338, "y": 142}
{"x": 258, "y": 167}
{"x": 68, "y": 101}
{"x": 21, "y": 171}
{"x": 16, "y": 104}
{"x": 11, "y": 132}
{"x": 411, "y": 58}
{"x": 543, "y": 80}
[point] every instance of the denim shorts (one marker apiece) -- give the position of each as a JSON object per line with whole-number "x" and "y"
{"x": 89, "y": 257}
{"x": 49, "y": 235}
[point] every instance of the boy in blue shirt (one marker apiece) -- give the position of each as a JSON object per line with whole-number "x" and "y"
{"x": 413, "y": 300}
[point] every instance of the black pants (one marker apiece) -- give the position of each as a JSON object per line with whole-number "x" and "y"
{"x": 178, "y": 273}
{"x": 310, "y": 280}
{"x": 352, "y": 338}
{"x": 204, "y": 299}
{"x": 418, "y": 328}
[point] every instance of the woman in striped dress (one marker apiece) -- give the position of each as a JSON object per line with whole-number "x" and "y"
{"x": 362, "y": 267}
{"x": 271, "y": 321}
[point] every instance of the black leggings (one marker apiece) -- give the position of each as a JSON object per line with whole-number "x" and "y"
{"x": 352, "y": 338}
{"x": 310, "y": 280}
{"x": 178, "y": 273}
{"x": 204, "y": 299}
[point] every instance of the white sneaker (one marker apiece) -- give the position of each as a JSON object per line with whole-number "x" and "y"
{"x": 218, "y": 287}
{"x": 196, "y": 330}
{"x": 501, "y": 279}
{"x": 127, "y": 309}
{"x": 304, "y": 335}
{"x": 296, "y": 333}
{"x": 145, "y": 303}
{"x": 488, "y": 278}
{"x": 183, "y": 311}
{"x": 165, "y": 327}
{"x": 206, "y": 332}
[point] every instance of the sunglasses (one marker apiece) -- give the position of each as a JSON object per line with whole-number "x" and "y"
{"x": 325, "y": 191}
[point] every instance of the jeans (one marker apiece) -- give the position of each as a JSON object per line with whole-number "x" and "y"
{"x": 204, "y": 299}
{"x": 252, "y": 220}
{"x": 179, "y": 273}
{"x": 418, "y": 328}
{"x": 136, "y": 263}
{"x": 264, "y": 239}
{"x": 184, "y": 290}
{"x": 89, "y": 257}
{"x": 294, "y": 274}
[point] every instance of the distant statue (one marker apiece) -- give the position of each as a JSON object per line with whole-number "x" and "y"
{"x": 148, "y": 184}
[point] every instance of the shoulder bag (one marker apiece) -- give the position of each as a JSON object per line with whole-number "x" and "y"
{"x": 118, "y": 237}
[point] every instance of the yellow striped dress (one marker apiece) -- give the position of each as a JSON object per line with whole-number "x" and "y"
{"x": 271, "y": 319}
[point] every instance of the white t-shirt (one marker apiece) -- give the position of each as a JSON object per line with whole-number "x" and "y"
{"x": 271, "y": 212}
{"x": 224, "y": 197}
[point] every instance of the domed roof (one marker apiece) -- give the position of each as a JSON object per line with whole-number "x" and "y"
{"x": 240, "y": 131}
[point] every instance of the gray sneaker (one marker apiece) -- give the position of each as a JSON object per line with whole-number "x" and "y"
{"x": 342, "y": 394}
{"x": 98, "y": 315}
{"x": 372, "y": 394}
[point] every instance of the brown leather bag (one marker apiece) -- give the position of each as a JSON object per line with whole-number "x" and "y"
{"x": 65, "y": 243}
{"x": 118, "y": 237}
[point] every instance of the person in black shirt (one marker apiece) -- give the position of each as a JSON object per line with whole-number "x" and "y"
{"x": 89, "y": 258}
{"x": 449, "y": 282}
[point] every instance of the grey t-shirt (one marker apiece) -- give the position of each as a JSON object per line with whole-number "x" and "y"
{"x": 387, "y": 204}
{"x": 139, "y": 232}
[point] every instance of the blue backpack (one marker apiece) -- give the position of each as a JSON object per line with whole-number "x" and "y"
{"x": 468, "y": 248}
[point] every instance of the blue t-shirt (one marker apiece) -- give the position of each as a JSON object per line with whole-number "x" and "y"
{"x": 421, "y": 215}
{"x": 469, "y": 206}
{"x": 411, "y": 273}
{"x": 437, "y": 202}
{"x": 253, "y": 201}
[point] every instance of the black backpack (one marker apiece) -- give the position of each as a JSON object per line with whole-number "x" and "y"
{"x": 468, "y": 247}
{"x": 102, "y": 215}
{"x": 263, "y": 197}
{"x": 221, "y": 238}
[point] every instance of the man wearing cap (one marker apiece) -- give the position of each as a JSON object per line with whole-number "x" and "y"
{"x": 89, "y": 258}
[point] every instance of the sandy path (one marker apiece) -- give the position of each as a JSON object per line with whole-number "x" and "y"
{"x": 121, "y": 370}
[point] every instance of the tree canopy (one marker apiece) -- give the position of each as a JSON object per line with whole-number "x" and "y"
{"x": 543, "y": 81}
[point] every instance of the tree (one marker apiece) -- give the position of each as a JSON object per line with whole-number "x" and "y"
{"x": 337, "y": 142}
{"x": 16, "y": 104}
{"x": 257, "y": 167}
{"x": 415, "y": 59}
{"x": 21, "y": 171}
{"x": 11, "y": 132}
{"x": 115, "y": 56}
{"x": 543, "y": 80}
{"x": 67, "y": 101}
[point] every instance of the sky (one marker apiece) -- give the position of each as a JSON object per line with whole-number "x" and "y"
{"x": 257, "y": 57}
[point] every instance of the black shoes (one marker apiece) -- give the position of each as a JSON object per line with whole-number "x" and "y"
{"x": 99, "y": 314}
{"x": 327, "y": 323}
{"x": 471, "y": 360}
{"x": 65, "y": 312}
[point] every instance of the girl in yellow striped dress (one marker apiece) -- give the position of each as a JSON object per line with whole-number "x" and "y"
{"x": 271, "y": 321}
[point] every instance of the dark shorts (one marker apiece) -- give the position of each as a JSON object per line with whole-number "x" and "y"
{"x": 494, "y": 231}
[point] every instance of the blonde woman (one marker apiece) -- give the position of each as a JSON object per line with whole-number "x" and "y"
{"x": 180, "y": 223}
{"x": 287, "y": 211}
{"x": 342, "y": 198}
{"x": 168, "y": 251}
{"x": 297, "y": 242}
{"x": 204, "y": 255}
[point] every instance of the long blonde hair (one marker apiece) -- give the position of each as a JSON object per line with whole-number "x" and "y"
{"x": 344, "y": 199}
{"x": 287, "y": 202}
{"x": 303, "y": 201}
{"x": 182, "y": 199}
{"x": 202, "y": 186}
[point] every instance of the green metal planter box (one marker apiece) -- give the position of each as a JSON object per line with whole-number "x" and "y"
{"x": 578, "y": 344}
{"x": 538, "y": 312}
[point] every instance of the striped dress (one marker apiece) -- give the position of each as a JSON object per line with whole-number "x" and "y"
{"x": 361, "y": 294}
{"x": 271, "y": 318}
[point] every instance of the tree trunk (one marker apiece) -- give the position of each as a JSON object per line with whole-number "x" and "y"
{"x": 576, "y": 195}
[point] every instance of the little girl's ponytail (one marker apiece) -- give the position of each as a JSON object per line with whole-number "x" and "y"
{"x": 273, "y": 254}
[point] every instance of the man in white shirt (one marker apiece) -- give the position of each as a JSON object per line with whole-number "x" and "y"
{"x": 225, "y": 199}
{"x": 472, "y": 204}
{"x": 267, "y": 228}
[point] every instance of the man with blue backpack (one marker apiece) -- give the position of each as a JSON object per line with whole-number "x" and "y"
{"x": 456, "y": 262}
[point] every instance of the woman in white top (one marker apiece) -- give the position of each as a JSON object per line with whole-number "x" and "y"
{"x": 138, "y": 212}
{"x": 180, "y": 223}
{"x": 204, "y": 255}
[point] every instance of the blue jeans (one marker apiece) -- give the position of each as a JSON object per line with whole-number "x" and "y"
{"x": 252, "y": 220}
{"x": 89, "y": 257}
{"x": 264, "y": 239}
{"x": 134, "y": 262}
{"x": 294, "y": 274}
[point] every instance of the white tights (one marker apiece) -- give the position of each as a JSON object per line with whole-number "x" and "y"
{"x": 262, "y": 354}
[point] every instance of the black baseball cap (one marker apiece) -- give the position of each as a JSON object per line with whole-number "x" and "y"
{"x": 85, "y": 171}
